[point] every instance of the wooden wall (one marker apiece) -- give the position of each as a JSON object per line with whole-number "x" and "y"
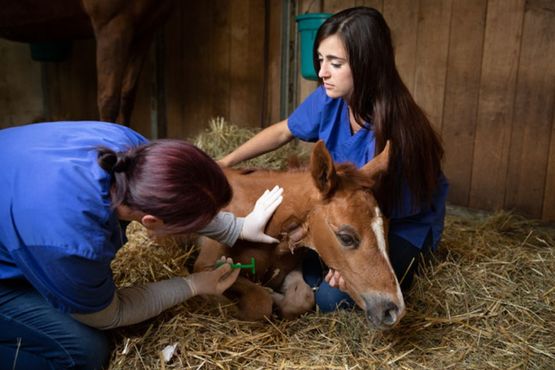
{"x": 483, "y": 70}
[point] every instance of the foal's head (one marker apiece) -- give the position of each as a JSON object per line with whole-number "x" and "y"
{"x": 349, "y": 232}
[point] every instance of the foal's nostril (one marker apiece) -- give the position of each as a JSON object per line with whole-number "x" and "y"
{"x": 382, "y": 311}
{"x": 390, "y": 314}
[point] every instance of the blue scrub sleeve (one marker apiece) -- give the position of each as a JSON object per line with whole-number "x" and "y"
{"x": 71, "y": 283}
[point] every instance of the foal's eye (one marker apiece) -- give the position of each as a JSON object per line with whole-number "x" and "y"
{"x": 347, "y": 236}
{"x": 347, "y": 239}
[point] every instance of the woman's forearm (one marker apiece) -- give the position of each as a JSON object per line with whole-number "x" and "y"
{"x": 265, "y": 141}
{"x": 135, "y": 304}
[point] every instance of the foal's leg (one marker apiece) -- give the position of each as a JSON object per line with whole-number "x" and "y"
{"x": 210, "y": 253}
{"x": 254, "y": 301}
{"x": 296, "y": 298}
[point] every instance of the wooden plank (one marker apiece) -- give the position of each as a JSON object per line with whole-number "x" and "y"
{"x": 220, "y": 53}
{"x": 461, "y": 95}
{"x": 246, "y": 62}
{"x": 20, "y": 85}
{"x": 272, "y": 113}
{"x": 71, "y": 84}
{"x": 533, "y": 111}
{"x": 495, "y": 107}
{"x": 376, "y": 4}
{"x": 255, "y": 81}
{"x": 141, "y": 116}
{"x": 548, "y": 212}
{"x": 176, "y": 99}
{"x": 431, "y": 58}
{"x": 190, "y": 75}
{"x": 402, "y": 18}
{"x": 334, "y": 6}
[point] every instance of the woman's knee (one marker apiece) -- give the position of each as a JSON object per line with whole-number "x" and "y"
{"x": 34, "y": 332}
{"x": 89, "y": 348}
{"x": 329, "y": 299}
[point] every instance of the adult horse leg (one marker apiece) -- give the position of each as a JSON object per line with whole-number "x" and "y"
{"x": 113, "y": 42}
{"x": 131, "y": 75}
{"x": 153, "y": 15}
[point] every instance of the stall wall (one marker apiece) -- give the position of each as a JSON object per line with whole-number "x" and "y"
{"x": 483, "y": 71}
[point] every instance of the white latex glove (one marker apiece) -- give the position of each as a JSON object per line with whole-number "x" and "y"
{"x": 213, "y": 282}
{"x": 255, "y": 222}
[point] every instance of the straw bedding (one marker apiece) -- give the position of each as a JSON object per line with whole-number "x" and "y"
{"x": 484, "y": 300}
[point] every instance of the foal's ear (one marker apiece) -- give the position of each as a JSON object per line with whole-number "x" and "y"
{"x": 378, "y": 165}
{"x": 322, "y": 169}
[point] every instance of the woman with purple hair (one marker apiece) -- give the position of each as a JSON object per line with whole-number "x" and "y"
{"x": 67, "y": 191}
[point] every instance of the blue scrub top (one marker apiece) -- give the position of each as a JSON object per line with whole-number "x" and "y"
{"x": 58, "y": 230}
{"x": 320, "y": 117}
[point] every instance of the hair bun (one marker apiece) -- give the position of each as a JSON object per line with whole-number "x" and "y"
{"x": 122, "y": 163}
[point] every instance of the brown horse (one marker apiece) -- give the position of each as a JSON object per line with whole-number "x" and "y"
{"x": 330, "y": 209}
{"x": 123, "y": 31}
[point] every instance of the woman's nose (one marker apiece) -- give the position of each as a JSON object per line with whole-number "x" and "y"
{"x": 323, "y": 72}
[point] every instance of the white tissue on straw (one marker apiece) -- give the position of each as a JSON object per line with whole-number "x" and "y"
{"x": 168, "y": 352}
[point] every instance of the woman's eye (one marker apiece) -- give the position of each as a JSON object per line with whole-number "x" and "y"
{"x": 334, "y": 65}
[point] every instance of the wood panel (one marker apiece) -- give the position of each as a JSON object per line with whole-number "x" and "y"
{"x": 197, "y": 76}
{"x": 272, "y": 102}
{"x": 495, "y": 109}
{"x": 70, "y": 86}
{"x": 376, "y": 4}
{"x": 533, "y": 111}
{"x": 20, "y": 85}
{"x": 461, "y": 94}
{"x": 482, "y": 69}
{"x": 548, "y": 212}
{"x": 431, "y": 58}
{"x": 334, "y": 6}
{"x": 247, "y": 37}
{"x": 402, "y": 18}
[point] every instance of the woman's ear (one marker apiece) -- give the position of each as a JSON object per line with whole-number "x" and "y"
{"x": 151, "y": 222}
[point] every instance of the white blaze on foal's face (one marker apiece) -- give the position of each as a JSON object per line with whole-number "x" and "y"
{"x": 378, "y": 228}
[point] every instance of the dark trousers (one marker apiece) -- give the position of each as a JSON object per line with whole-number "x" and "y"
{"x": 404, "y": 258}
{"x": 34, "y": 335}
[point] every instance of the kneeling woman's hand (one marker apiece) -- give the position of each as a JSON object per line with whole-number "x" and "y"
{"x": 335, "y": 280}
{"x": 213, "y": 282}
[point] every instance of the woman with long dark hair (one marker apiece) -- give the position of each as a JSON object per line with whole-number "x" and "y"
{"x": 360, "y": 105}
{"x": 67, "y": 190}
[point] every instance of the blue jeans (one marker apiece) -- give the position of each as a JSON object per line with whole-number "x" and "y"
{"x": 35, "y": 335}
{"x": 401, "y": 255}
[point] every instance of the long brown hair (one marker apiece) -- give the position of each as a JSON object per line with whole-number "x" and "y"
{"x": 381, "y": 99}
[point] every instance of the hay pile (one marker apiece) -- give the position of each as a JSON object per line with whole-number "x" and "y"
{"x": 221, "y": 137}
{"x": 486, "y": 300}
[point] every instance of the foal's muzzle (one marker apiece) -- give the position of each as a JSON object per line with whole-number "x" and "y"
{"x": 382, "y": 311}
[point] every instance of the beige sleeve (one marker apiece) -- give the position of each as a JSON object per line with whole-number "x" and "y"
{"x": 135, "y": 304}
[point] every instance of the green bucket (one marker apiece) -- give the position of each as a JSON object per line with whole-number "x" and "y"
{"x": 308, "y": 25}
{"x": 51, "y": 51}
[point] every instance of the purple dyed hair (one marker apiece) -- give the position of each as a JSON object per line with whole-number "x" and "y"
{"x": 169, "y": 179}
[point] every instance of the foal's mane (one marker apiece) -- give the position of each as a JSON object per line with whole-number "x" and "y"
{"x": 347, "y": 171}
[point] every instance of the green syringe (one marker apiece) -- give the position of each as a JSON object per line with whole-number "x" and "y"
{"x": 240, "y": 265}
